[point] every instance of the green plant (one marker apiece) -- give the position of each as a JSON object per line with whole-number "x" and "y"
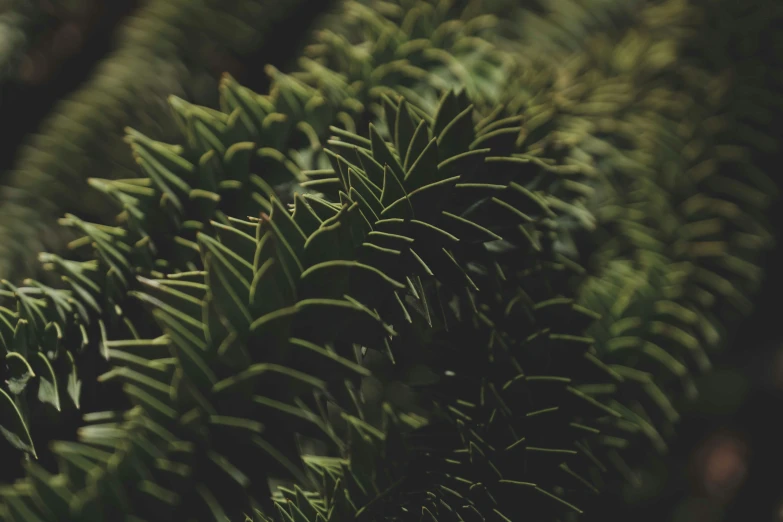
{"x": 394, "y": 270}
{"x": 165, "y": 47}
{"x": 392, "y": 324}
{"x": 294, "y": 117}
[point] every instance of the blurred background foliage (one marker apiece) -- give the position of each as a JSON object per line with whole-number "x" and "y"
{"x": 64, "y": 63}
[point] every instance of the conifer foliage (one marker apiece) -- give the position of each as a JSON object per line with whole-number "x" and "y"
{"x": 359, "y": 297}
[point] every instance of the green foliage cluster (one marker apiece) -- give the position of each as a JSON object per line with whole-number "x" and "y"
{"x": 164, "y": 47}
{"x": 378, "y": 297}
